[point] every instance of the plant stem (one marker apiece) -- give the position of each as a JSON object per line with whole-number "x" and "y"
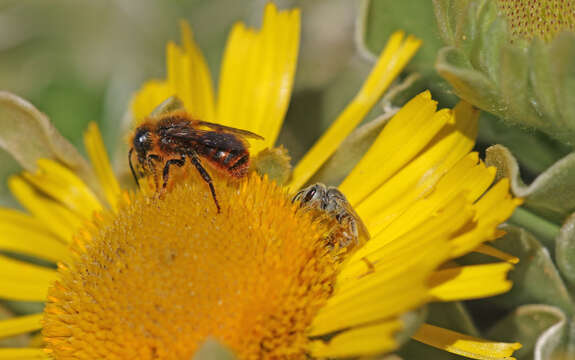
{"x": 543, "y": 229}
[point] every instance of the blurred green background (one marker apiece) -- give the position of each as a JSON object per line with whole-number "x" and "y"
{"x": 81, "y": 61}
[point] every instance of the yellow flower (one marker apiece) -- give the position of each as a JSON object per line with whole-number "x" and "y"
{"x": 147, "y": 277}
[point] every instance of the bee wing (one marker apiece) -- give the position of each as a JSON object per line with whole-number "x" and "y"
{"x": 228, "y": 129}
{"x": 363, "y": 233}
{"x": 183, "y": 133}
{"x": 211, "y": 139}
{"x": 171, "y": 104}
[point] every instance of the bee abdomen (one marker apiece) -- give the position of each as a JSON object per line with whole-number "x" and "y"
{"x": 234, "y": 162}
{"x": 220, "y": 156}
{"x": 240, "y": 164}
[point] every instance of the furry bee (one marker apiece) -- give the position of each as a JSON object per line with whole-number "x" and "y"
{"x": 351, "y": 232}
{"x": 174, "y": 137}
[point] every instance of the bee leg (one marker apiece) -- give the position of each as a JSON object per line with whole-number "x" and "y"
{"x": 132, "y": 167}
{"x": 206, "y": 178}
{"x": 150, "y": 163}
{"x": 180, "y": 162}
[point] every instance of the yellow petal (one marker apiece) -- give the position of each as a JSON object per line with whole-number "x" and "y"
{"x": 400, "y": 141}
{"x": 356, "y": 342}
{"x": 419, "y": 178}
{"x": 189, "y": 76}
{"x": 65, "y": 187}
{"x": 464, "y": 345}
{"x": 402, "y": 268}
{"x": 23, "y": 234}
{"x": 378, "y": 304}
{"x": 494, "y": 207}
{"x": 468, "y": 176}
{"x": 61, "y": 221}
{"x": 392, "y": 60}
{"x": 257, "y": 74}
{"x": 150, "y": 95}
{"x": 20, "y": 325}
{"x": 101, "y": 164}
{"x": 23, "y": 281}
{"x": 499, "y": 195}
{"x": 381, "y": 251}
{"x": 496, "y": 253}
{"x": 238, "y": 57}
{"x": 23, "y": 354}
{"x": 470, "y": 282}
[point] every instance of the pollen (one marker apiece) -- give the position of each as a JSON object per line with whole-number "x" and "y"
{"x": 166, "y": 273}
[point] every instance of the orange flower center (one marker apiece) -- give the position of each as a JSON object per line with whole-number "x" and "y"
{"x": 164, "y": 274}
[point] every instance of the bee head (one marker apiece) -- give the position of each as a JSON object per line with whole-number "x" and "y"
{"x": 313, "y": 195}
{"x": 142, "y": 142}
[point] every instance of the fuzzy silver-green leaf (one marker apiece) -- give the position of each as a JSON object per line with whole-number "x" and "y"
{"x": 551, "y": 194}
{"x": 525, "y": 82}
{"x": 534, "y": 326}
{"x": 28, "y": 135}
{"x": 535, "y": 278}
{"x": 565, "y": 251}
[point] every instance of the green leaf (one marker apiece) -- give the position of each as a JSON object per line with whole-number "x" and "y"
{"x": 487, "y": 48}
{"x": 21, "y": 340}
{"x": 513, "y": 67}
{"x": 23, "y": 307}
{"x": 211, "y": 349}
{"x": 565, "y": 251}
{"x": 551, "y": 194}
{"x": 411, "y": 323}
{"x": 556, "y": 343}
{"x": 562, "y": 56}
{"x": 28, "y": 135}
{"x": 453, "y": 316}
{"x": 9, "y": 167}
{"x": 543, "y": 83}
{"x": 534, "y": 326}
{"x": 471, "y": 85}
{"x": 445, "y": 15}
{"x": 521, "y": 144}
{"x": 535, "y": 278}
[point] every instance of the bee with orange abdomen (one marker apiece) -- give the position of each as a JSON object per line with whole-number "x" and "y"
{"x": 175, "y": 137}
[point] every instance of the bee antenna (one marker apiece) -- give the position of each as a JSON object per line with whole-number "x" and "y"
{"x": 132, "y": 167}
